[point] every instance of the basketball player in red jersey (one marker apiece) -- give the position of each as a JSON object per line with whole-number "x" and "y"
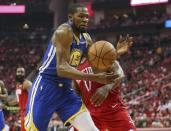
{"x": 22, "y": 87}
{"x": 105, "y": 104}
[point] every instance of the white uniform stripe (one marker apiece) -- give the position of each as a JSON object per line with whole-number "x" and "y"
{"x": 34, "y": 89}
{"x": 49, "y": 54}
{"x": 50, "y": 59}
{"x": 34, "y": 94}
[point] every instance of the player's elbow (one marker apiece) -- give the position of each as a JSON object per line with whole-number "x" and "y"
{"x": 61, "y": 70}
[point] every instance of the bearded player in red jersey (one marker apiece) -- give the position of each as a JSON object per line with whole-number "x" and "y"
{"x": 22, "y": 87}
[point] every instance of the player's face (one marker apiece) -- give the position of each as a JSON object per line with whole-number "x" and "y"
{"x": 81, "y": 19}
{"x": 20, "y": 74}
{"x": 20, "y": 71}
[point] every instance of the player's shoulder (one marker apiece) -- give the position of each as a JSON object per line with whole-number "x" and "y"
{"x": 27, "y": 84}
{"x": 26, "y": 81}
{"x": 1, "y": 83}
{"x": 62, "y": 32}
{"x": 64, "y": 28}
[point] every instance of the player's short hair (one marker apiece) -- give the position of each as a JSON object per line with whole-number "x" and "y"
{"x": 20, "y": 66}
{"x": 73, "y": 7}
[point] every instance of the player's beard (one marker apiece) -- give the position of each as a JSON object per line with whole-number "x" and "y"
{"x": 78, "y": 29}
{"x": 20, "y": 78}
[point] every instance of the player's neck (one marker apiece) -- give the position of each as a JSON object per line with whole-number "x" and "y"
{"x": 77, "y": 34}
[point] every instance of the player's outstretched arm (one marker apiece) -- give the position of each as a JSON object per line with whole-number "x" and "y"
{"x": 118, "y": 70}
{"x": 62, "y": 39}
{"x": 123, "y": 45}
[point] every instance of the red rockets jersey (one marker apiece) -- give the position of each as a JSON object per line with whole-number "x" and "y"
{"x": 113, "y": 102}
{"x": 22, "y": 96}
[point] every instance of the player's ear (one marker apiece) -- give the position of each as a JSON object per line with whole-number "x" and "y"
{"x": 70, "y": 18}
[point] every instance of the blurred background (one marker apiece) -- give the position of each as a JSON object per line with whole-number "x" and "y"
{"x": 27, "y": 25}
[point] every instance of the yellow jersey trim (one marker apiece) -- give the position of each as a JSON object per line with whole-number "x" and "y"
{"x": 30, "y": 125}
{"x": 82, "y": 109}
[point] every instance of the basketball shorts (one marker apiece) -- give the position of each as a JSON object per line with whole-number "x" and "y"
{"x": 47, "y": 97}
{"x": 118, "y": 121}
{"x": 2, "y": 120}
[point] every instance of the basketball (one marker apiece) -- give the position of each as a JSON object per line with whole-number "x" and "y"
{"x": 101, "y": 55}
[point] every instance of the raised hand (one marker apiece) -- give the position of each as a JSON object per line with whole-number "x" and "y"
{"x": 123, "y": 44}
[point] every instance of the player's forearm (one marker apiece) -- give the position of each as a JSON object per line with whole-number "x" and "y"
{"x": 117, "y": 68}
{"x": 72, "y": 73}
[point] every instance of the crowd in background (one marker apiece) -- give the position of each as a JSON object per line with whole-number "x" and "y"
{"x": 147, "y": 88}
{"x": 112, "y": 20}
{"x": 17, "y": 52}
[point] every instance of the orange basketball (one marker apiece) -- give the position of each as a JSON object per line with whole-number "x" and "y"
{"x": 102, "y": 54}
